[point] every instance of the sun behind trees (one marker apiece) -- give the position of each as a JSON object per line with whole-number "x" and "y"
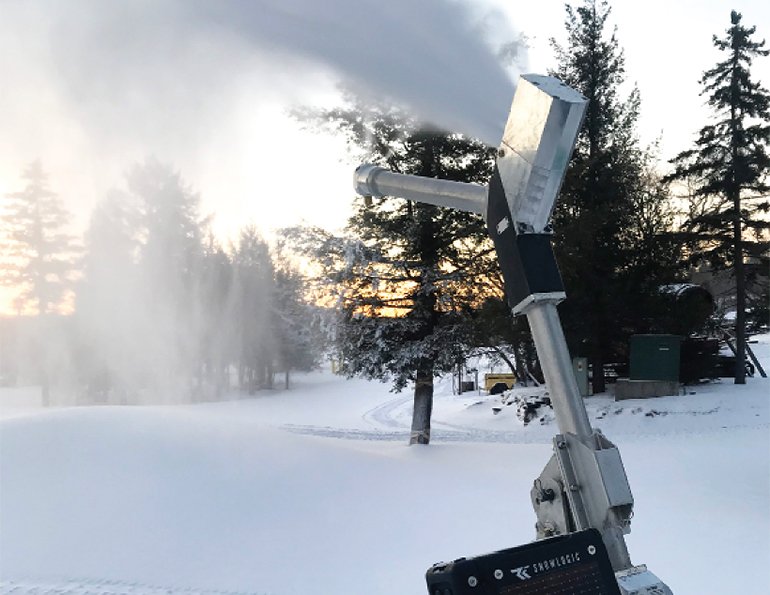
{"x": 401, "y": 284}
{"x": 39, "y": 260}
{"x": 417, "y": 286}
{"x": 168, "y": 312}
{"x": 409, "y": 280}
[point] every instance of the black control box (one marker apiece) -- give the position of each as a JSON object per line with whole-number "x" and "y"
{"x": 526, "y": 259}
{"x": 574, "y": 564}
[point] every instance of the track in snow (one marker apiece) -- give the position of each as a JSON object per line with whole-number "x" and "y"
{"x": 384, "y": 414}
{"x": 437, "y": 434}
{"x": 391, "y": 421}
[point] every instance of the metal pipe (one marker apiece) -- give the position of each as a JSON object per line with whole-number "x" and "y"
{"x": 371, "y": 180}
{"x": 560, "y": 379}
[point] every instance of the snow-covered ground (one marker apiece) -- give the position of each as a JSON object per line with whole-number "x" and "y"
{"x": 314, "y": 490}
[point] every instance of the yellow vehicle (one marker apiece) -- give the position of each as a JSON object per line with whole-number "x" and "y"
{"x": 491, "y": 379}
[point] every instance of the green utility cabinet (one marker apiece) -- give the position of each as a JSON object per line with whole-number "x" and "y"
{"x": 655, "y": 357}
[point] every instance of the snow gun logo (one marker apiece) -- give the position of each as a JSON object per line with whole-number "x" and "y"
{"x": 521, "y": 572}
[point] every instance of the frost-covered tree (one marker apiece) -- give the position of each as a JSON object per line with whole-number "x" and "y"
{"x": 729, "y": 167}
{"x": 253, "y": 295}
{"x": 409, "y": 273}
{"x": 106, "y": 298}
{"x": 39, "y": 257}
{"x": 295, "y": 321}
{"x": 170, "y": 255}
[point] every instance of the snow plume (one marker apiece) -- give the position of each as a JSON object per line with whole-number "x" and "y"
{"x": 165, "y": 313}
{"x": 423, "y": 53}
{"x": 143, "y": 68}
{"x": 137, "y": 309}
{"x": 93, "y": 86}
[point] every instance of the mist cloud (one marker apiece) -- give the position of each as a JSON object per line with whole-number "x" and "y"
{"x": 92, "y": 86}
{"x": 425, "y": 54}
{"x": 149, "y": 68}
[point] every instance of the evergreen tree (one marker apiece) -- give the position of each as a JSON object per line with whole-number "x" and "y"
{"x": 611, "y": 248}
{"x": 729, "y": 166}
{"x": 215, "y": 328}
{"x": 39, "y": 257}
{"x": 170, "y": 261}
{"x": 106, "y": 298}
{"x": 253, "y": 295}
{"x": 295, "y": 322}
{"x": 152, "y": 299}
{"x": 412, "y": 271}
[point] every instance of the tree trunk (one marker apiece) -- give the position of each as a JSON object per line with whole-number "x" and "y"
{"x": 423, "y": 406}
{"x": 45, "y": 387}
{"x": 735, "y": 191}
{"x": 269, "y": 374}
{"x": 514, "y": 368}
{"x": 740, "y": 298}
{"x": 286, "y": 385}
{"x": 44, "y": 336}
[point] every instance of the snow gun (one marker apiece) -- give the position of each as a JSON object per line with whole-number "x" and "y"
{"x": 582, "y": 498}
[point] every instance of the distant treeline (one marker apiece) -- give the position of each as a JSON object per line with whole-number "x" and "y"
{"x": 152, "y": 307}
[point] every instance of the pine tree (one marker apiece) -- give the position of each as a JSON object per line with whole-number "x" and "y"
{"x": 170, "y": 261}
{"x": 602, "y": 219}
{"x": 39, "y": 256}
{"x": 295, "y": 322}
{"x": 253, "y": 295}
{"x": 215, "y": 329}
{"x": 412, "y": 271}
{"x": 106, "y": 298}
{"x": 729, "y": 166}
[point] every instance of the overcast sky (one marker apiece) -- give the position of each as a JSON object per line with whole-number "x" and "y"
{"x": 91, "y": 86}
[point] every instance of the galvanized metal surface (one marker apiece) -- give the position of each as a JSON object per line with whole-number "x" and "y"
{"x": 372, "y": 180}
{"x": 597, "y": 488}
{"x": 556, "y": 363}
{"x": 640, "y": 581}
{"x": 550, "y": 502}
{"x": 542, "y": 128}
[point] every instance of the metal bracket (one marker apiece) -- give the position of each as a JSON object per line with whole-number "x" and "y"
{"x": 640, "y": 581}
{"x": 596, "y": 487}
{"x": 550, "y": 503}
{"x": 604, "y": 486}
{"x": 537, "y": 298}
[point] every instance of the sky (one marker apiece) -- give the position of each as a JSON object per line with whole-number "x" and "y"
{"x": 92, "y": 87}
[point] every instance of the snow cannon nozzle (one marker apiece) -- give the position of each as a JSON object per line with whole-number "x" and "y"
{"x": 363, "y": 179}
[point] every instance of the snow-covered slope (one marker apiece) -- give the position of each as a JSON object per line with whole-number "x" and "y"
{"x": 314, "y": 490}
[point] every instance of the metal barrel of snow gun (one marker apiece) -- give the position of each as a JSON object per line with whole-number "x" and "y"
{"x": 372, "y": 180}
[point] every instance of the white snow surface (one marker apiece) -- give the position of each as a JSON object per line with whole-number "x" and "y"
{"x": 314, "y": 490}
